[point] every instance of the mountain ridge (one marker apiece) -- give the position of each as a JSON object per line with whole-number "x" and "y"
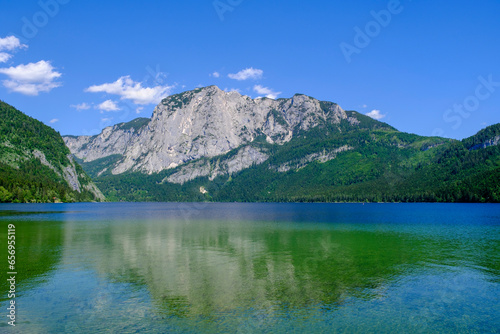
{"x": 222, "y": 146}
{"x": 207, "y": 122}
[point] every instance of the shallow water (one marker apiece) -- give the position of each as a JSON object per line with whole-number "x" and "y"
{"x": 254, "y": 268}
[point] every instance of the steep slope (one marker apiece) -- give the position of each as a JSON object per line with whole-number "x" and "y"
{"x": 489, "y": 136}
{"x": 217, "y": 146}
{"x": 363, "y": 165}
{"x": 205, "y": 123}
{"x": 35, "y": 165}
{"x": 356, "y": 165}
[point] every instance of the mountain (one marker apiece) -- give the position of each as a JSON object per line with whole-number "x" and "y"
{"x": 208, "y": 144}
{"x": 204, "y": 123}
{"x": 35, "y": 164}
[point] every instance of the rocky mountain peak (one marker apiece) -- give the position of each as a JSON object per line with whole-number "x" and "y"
{"x": 204, "y": 122}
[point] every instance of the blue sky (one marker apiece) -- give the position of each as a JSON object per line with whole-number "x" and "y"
{"x": 426, "y": 67}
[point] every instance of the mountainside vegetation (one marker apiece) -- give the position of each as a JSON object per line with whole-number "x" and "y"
{"x": 35, "y": 164}
{"x": 381, "y": 165}
{"x": 211, "y": 145}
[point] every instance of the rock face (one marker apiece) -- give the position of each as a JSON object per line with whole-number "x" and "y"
{"x": 205, "y": 122}
{"x": 490, "y": 142}
{"x": 70, "y": 175}
{"x": 321, "y": 157}
{"x": 25, "y": 143}
{"x": 246, "y": 157}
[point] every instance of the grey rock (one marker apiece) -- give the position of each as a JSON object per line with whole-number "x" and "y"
{"x": 68, "y": 172}
{"x": 321, "y": 157}
{"x": 70, "y": 175}
{"x": 94, "y": 190}
{"x": 491, "y": 142}
{"x": 205, "y": 122}
{"x": 40, "y": 156}
{"x": 245, "y": 158}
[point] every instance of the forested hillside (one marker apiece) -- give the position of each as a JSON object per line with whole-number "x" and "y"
{"x": 35, "y": 165}
{"x": 381, "y": 164}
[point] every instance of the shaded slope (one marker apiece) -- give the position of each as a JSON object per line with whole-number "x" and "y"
{"x": 35, "y": 165}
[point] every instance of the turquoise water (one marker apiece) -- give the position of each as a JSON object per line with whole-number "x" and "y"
{"x": 253, "y": 268}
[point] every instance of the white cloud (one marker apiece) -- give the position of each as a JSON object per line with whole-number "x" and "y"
{"x": 32, "y": 78}
{"x": 32, "y": 72}
{"x": 4, "y": 57}
{"x": 54, "y": 120}
{"x": 375, "y": 114}
{"x": 11, "y": 43}
{"x": 106, "y": 120}
{"x": 81, "y": 106}
{"x": 248, "y": 73}
{"x": 108, "y": 105}
{"x": 215, "y": 75}
{"x": 269, "y": 93}
{"x": 128, "y": 89}
{"x": 364, "y": 106}
{"x": 139, "y": 110}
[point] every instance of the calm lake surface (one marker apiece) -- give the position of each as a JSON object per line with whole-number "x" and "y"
{"x": 253, "y": 268}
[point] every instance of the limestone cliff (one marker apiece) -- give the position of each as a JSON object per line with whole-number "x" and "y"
{"x": 205, "y": 122}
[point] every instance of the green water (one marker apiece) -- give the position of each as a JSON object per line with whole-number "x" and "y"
{"x": 254, "y": 268}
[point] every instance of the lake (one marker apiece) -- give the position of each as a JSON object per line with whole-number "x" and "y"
{"x": 253, "y": 268}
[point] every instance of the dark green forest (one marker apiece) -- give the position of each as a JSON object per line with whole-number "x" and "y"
{"x": 384, "y": 165}
{"x": 381, "y": 164}
{"x": 23, "y": 177}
